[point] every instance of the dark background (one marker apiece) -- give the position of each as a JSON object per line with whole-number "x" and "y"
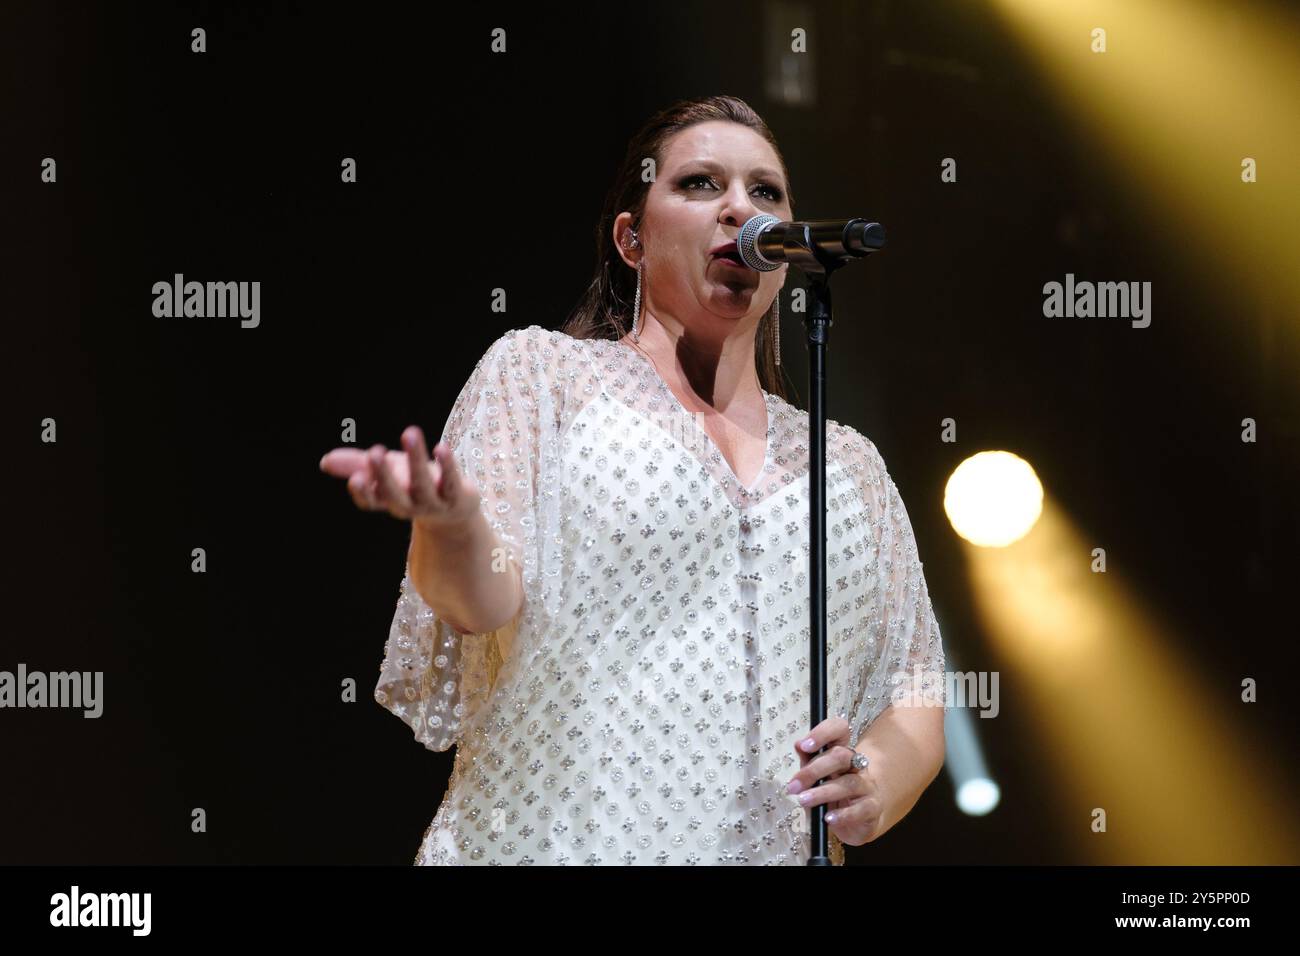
{"x": 223, "y": 689}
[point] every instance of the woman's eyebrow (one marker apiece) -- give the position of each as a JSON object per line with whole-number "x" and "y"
{"x": 756, "y": 171}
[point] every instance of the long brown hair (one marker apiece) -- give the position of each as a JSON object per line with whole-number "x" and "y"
{"x": 605, "y": 309}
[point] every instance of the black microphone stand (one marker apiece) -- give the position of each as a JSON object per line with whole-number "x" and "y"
{"x": 808, "y": 257}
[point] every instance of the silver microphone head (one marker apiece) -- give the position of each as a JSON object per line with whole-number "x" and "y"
{"x": 747, "y": 243}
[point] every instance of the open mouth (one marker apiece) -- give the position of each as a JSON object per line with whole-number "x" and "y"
{"x": 730, "y": 258}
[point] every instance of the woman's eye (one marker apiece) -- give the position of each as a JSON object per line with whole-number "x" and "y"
{"x": 773, "y": 194}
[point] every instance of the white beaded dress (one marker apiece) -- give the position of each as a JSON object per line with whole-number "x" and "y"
{"x": 643, "y": 707}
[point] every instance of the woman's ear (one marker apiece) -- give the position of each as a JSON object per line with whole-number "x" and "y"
{"x": 626, "y": 240}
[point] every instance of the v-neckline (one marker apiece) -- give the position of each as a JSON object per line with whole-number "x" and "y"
{"x": 746, "y": 490}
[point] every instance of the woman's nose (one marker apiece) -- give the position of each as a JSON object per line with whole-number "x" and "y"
{"x": 737, "y": 208}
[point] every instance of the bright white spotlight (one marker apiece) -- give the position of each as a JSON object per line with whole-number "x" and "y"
{"x": 978, "y": 797}
{"x": 976, "y": 793}
{"x": 993, "y": 498}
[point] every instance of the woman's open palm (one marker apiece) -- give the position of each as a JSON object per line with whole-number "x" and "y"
{"x": 433, "y": 492}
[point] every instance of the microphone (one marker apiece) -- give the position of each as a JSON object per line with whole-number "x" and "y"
{"x": 766, "y": 242}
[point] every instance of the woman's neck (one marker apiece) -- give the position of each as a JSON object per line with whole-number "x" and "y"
{"x": 717, "y": 374}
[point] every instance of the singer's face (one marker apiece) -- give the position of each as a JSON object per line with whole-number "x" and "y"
{"x": 713, "y": 177}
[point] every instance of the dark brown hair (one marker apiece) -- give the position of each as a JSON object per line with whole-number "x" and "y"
{"x": 605, "y": 310}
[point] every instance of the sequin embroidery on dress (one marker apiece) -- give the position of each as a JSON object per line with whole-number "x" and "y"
{"x": 656, "y": 679}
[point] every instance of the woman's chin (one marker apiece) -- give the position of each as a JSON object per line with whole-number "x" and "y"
{"x": 730, "y": 312}
{"x": 732, "y": 299}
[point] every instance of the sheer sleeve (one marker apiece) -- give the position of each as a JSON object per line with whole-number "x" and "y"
{"x": 435, "y": 679}
{"x": 906, "y": 661}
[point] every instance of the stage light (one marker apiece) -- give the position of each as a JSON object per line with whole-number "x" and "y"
{"x": 978, "y": 797}
{"x": 976, "y": 793}
{"x": 993, "y": 498}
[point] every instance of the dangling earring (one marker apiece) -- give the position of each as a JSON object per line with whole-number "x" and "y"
{"x": 631, "y": 241}
{"x": 636, "y": 308}
{"x": 776, "y": 327}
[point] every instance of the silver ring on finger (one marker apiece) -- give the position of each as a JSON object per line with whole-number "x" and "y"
{"x": 860, "y": 761}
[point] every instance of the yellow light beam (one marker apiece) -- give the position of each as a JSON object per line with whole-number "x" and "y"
{"x": 1127, "y": 725}
{"x": 1184, "y": 92}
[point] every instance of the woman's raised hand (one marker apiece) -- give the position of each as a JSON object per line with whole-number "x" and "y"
{"x": 431, "y": 492}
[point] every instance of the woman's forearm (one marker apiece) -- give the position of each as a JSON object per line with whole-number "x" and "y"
{"x": 464, "y": 575}
{"x": 906, "y": 747}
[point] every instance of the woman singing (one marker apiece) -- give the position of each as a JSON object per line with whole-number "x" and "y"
{"x": 605, "y": 604}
